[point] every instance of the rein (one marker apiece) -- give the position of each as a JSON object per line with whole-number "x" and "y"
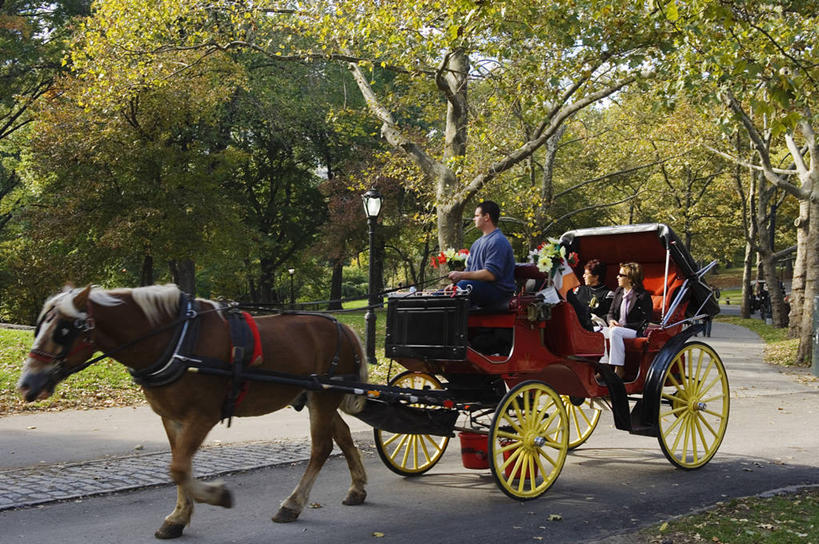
{"x": 280, "y": 308}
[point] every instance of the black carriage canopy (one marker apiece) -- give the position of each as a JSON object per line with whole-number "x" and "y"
{"x": 649, "y": 244}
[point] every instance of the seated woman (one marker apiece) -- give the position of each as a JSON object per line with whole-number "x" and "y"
{"x": 594, "y": 294}
{"x": 630, "y": 311}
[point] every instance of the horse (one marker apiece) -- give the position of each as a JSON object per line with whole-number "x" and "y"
{"x": 139, "y": 328}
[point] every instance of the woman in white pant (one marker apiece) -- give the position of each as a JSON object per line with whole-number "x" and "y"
{"x": 630, "y": 310}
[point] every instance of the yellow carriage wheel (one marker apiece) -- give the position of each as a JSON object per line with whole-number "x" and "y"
{"x": 694, "y": 405}
{"x": 583, "y": 420}
{"x": 528, "y": 440}
{"x": 411, "y": 454}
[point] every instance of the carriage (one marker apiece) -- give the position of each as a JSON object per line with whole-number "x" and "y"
{"x": 523, "y": 386}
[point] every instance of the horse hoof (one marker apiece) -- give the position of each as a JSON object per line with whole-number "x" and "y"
{"x": 355, "y": 497}
{"x": 286, "y": 515}
{"x": 169, "y": 530}
{"x": 226, "y": 499}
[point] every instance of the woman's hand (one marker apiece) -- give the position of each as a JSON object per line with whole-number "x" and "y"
{"x": 613, "y": 323}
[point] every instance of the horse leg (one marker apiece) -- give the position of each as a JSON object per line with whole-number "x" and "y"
{"x": 341, "y": 434}
{"x": 185, "y": 439}
{"x": 176, "y": 521}
{"x": 322, "y": 409}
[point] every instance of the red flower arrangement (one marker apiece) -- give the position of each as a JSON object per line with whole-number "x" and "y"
{"x": 454, "y": 259}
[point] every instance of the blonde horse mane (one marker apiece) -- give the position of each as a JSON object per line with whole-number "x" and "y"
{"x": 157, "y": 301}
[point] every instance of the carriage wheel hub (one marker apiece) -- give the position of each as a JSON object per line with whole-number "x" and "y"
{"x": 695, "y": 406}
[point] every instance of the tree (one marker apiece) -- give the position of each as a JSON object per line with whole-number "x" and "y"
{"x": 32, "y": 38}
{"x": 139, "y": 182}
{"x": 461, "y": 68}
{"x": 759, "y": 60}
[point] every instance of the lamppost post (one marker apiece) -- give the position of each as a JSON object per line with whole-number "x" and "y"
{"x": 292, "y": 271}
{"x": 372, "y": 207}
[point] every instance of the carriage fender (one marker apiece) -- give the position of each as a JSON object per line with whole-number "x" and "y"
{"x": 654, "y": 378}
{"x": 563, "y": 379}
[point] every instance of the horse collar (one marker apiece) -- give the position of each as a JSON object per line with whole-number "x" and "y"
{"x": 171, "y": 365}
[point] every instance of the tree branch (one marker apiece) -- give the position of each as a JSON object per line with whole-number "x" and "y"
{"x": 767, "y": 169}
{"x": 527, "y": 149}
{"x": 390, "y": 129}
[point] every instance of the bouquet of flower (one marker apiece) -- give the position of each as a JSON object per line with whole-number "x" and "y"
{"x": 549, "y": 255}
{"x": 455, "y": 260}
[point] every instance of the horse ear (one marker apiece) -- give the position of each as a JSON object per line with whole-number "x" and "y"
{"x": 81, "y": 299}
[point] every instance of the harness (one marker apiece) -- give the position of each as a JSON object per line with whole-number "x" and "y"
{"x": 178, "y": 358}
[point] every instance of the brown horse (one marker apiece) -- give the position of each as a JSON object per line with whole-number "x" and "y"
{"x": 138, "y": 327}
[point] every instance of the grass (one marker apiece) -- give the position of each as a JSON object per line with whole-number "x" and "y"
{"x": 781, "y": 519}
{"x": 779, "y": 349}
{"x": 102, "y": 385}
{"x": 732, "y": 295}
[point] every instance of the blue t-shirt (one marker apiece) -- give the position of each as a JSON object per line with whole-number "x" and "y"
{"x": 494, "y": 253}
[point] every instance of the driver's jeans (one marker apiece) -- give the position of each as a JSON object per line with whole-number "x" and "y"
{"x": 484, "y": 294}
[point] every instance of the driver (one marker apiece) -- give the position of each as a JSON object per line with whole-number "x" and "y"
{"x": 490, "y": 270}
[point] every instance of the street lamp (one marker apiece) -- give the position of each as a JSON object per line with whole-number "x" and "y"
{"x": 372, "y": 207}
{"x": 292, "y": 271}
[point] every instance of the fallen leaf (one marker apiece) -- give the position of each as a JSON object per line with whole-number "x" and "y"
{"x": 555, "y": 517}
{"x": 315, "y": 505}
{"x": 664, "y": 526}
{"x": 376, "y": 534}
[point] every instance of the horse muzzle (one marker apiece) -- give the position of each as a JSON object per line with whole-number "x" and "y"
{"x": 36, "y": 385}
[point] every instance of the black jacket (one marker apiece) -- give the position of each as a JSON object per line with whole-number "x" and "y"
{"x": 597, "y": 298}
{"x": 638, "y": 315}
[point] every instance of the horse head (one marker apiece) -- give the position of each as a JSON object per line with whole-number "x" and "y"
{"x": 63, "y": 341}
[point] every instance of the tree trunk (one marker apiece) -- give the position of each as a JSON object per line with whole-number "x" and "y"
{"x": 146, "y": 275}
{"x": 183, "y": 274}
{"x": 546, "y": 187}
{"x": 450, "y": 226}
{"x": 797, "y": 294}
{"x": 749, "y": 222}
{"x": 766, "y": 255}
{"x": 335, "y": 285}
{"x": 803, "y": 354}
{"x": 267, "y": 294}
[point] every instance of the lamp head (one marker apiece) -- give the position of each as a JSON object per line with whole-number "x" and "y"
{"x": 372, "y": 203}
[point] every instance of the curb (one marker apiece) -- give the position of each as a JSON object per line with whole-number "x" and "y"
{"x": 37, "y": 485}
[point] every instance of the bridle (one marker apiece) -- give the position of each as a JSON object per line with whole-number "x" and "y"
{"x": 65, "y": 333}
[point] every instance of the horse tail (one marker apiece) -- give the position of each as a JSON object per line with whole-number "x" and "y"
{"x": 353, "y": 404}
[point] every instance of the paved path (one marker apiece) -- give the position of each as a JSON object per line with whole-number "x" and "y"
{"x": 55, "y": 456}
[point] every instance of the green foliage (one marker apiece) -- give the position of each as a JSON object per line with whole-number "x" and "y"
{"x": 763, "y": 52}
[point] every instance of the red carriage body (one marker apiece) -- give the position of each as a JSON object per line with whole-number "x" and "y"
{"x": 483, "y": 358}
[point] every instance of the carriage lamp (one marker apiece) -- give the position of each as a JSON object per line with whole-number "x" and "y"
{"x": 372, "y": 207}
{"x": 292, "y": 271}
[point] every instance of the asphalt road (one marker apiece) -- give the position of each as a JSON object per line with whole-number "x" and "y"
{"x": 614, "y": 484}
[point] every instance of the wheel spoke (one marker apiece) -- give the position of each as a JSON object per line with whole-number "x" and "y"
{"x": 675, "y": 411}
{"x": 708, "y": 425}
{"x": 400, "y": 446}
{"x": 692, "y": 432}
{"x": 703, "y": 440}
{"x": 548, "y": 457}
{"x": 515, "y": 471}
{"x": 513, "y": 423}
{"x": 392, "y": 439}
